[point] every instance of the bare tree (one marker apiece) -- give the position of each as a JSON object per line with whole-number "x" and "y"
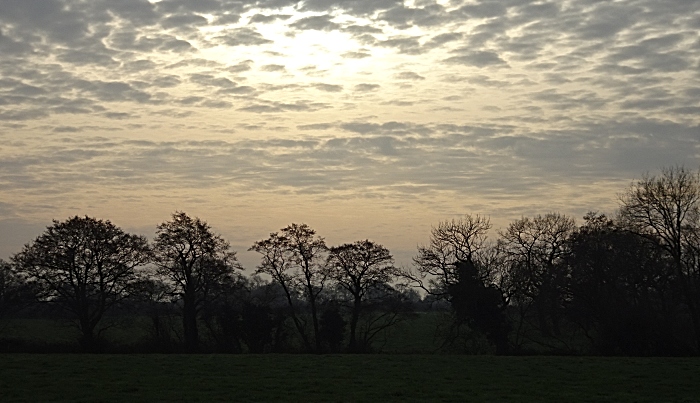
{"x": 195, "y": 261}
{"x": 294, "y": 258}
{"x": 84, "y": 265}
{"x": 457, "y": 240}
{"x": 534, "y": 249}
{"x": 361, "y": 268}
{"x": 666, "y": 210}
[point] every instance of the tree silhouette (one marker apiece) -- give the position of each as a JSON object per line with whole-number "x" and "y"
{"x": 361, "y": 268}
{"x": 153, "y": 299}
{"x": 15, "y": 292}
{"x": 534, "y": 250}
{"x": 294, "y": 258}
{"x": 481, "y": 307}
{"x": 462, "y": 239}
{"x": 621, "y": 290}
{"x": 332, "y": 327}
{"x": 84, "y": 265}
{"x": 666, "y": 210}
{"x": 194, "y": 260}
{"x": 454, "y": 245}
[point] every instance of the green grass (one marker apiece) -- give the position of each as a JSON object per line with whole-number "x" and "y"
{"x": 41, "y": 330}
{"x": 361, "y": 378}
{"x": 414, "y": 335}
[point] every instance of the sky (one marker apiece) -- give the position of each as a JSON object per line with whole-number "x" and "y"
{"x": 365, "y": 119}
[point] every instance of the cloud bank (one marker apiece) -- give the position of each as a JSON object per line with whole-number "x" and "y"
{"x": 426, "y": 108}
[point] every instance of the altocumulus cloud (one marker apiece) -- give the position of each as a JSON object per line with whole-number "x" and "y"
{"x": 495, "y": 102}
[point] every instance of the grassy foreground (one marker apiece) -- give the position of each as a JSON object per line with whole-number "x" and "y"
{"x": 346, "y": 378}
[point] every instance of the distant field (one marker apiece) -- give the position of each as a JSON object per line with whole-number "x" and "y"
{"x": 346, "y": 378}
{"x": 415, "y": 335}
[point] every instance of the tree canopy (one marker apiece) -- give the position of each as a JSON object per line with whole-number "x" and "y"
{"x": 84, "y": 265}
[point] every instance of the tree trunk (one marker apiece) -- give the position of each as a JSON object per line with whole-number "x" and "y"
{"x": 295, "y": 319}
{"x": 88, "y": 342}
{"x": 317, "y": 333}
{"x": 540, "y": 310}
{"x": 690, "y": 298}
{"x": 352, "y": 345}
{"x": 189, "y": 323}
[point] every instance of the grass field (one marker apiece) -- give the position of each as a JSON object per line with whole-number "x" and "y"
{"x": 346, "y": 378}
{"x": 416, "y": 335}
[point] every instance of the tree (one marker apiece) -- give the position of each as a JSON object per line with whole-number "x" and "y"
{"x": 454, "y": 246}
{"x": 620, "y": 289}
{"x": 332, "y": 327}
{"x": 480, "y": 306}
{"x": 84, "y": 265}
{"x": 360, "y": 268}
{"x": 153, "y": 299}
{"x": 534, "y": 250}
{"x": 460, "y": 240}
{"x": 247, "y": 314}
{"x": 15, "y": 293}
{"x": 294, "y": 258}
{"x": 666, "y": 210}
{"x": 195, "y": 261}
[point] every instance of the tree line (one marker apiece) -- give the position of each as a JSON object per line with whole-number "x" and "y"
{"x": 89, "y": 267}
{"x": 624, "y": 284}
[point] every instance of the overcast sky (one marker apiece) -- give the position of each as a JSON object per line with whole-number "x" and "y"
{"x": 362, "y": 118}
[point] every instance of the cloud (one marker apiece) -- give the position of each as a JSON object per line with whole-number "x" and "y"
{"x": 317, "y": 22}
{"x": 273, "y": 67}
{"x": 112, "y": 91}
{"x": 140, "y": 65}
{"x": 183, "y": 21}
{"x": 388, "y": 128}
{"x": 138, "y": 13}
{"x": 130, "y": 40}
{"x": 353, "y": 7}
{"x": 209, "y": 103}
{"x": 572, "y": 100}
{"x": 486, "y": 9}
{"x": 240, "y": 67}
{"x": 478, "y": 59}
{"x": 606, "y": 21}
{"x": 166, "y": 81}
{"x": 118, "y": 115}
{"x": 49, "y": 19}
{"x": 364, "y": 87}
{"x": 328, "y": 87}
{"x": 447, "y": 105}
{"x": 209, "y": 80}
{"x": 362, "y": 29}
{"x": 316, "y": 126}
{"x": 263, "y": 18}
{"x": 436, "y": 156}
{"x": 242, "y": 37}
{"x": 278, "y": 107}
{"x": 356, "y": 55}
{"x": 399, "y": 102}
{"x": 83, "y": 58}
{"x": 406, "y": 45}
{"x": 176, "y": 45}
{"x": 66, "y": 129}
{"x": 9, "y": 46}
{"x": 442, "y": 39}
{"x": 408, "y": 75}
{"x": 403, "y": 17}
